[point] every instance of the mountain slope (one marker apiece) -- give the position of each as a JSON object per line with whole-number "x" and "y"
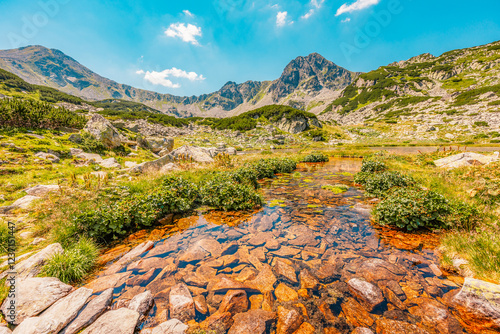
{"x": 306, "y": 83}
{"x": 455, "y": 83}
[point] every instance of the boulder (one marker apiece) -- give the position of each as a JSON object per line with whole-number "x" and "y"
{"x": 478, "y": 304}
{"x": 89, "y": 157}
{"x": 173, "y": 326}
{"x": 288, "y": 320}
{"x": 466, "y": 159}
{"x": 90, "y": 313}
{"x": 32, "y": 266}
{"x": 197, "y": 154}
{"x": 297, "y": 124}
{"x": 235, "y": 301}
{"x": 42, "y": 190}
{"x": 110, "y": 163}
{"x": 181, "y": 303}
{"x": 369, "y": 295}
{"x": 101, "y": 129}
{"x": 121, "y": 321}
{"x": 25, "y": 202}
{"x": 157, "y": 144}
{"x": 154, "y": 165}
{"x": 252, "y": 322}
{"x": 51, "y": 157}
{"x": 141, "y": 303}
{"x": 35, "y": 295}
{"x": 57, "y": 316}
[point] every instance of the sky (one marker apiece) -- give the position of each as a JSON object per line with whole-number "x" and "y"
{"x": 194, "y": 47}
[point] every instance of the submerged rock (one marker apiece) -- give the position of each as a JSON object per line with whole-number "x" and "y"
{"x": 369, "y": 295}
{"x": 252, "y": 322}
{"x": 478, "y": 304}
{"x": 181, "y": 303}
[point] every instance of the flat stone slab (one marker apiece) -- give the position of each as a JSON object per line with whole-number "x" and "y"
{"x": 121, "y": 321}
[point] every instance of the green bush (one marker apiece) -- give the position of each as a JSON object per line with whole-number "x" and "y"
{"x": 315, "y": 157}
{"x": 4, "y": 238}
{"x": 221, "y": 192}
{"x": 317, "y": 133}
{"x": 412, "y": 208}
{"x": 74, "y": 264}
{"x": 481, "y": 123}
{"x": 372, "y": 166}
{"x": 379, "y": 184}
{"x": 90, "y": 144}
{"x": 31, "y": 114}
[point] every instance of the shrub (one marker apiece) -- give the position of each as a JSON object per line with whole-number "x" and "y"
{"x": 379, "y": 184}
{"x": 315, "y": 157}
{"x": 74, "y": 264}
{"x": 31, "y": 114}
{"x": 221, "y": 192}
{"x": 412, "y": 208}
{"x": 481, "y": 123}
{"x": 463, "y": 215}
{"x": 90, "y": 144}
{"x": 372, "y": 166}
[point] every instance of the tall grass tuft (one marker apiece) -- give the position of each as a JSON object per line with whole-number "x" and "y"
{"x": 74, "y": 264}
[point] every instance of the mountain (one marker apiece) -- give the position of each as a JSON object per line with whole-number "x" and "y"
{"x": 459, "y": 88}
{"x": 307, "y": 83}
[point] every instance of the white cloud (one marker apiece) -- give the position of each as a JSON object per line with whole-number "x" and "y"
{"x": 187, "y": 33}
{"x": 358, "y": 5}
{"x": 316, "y": 4}
{"x": 160, "y": 78}
{"x": 346, "y": 20}
{"x": 188, "y": 13}
{"x": 281, "y": 18}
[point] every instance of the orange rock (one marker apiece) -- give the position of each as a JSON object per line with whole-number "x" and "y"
{"x": 356, "y": 314}
{"x": 235, "y": 301}
{"x": 388, "y": 326}
{"x": 264, "y": 282}
{"x": 307, "y": 280}
{"x": 288, "y": 320}
{"x": 218, "y": 322}
{"x": 305, "y": 328}
{"x": 285, "y": 294}
{"x": 252, "y": 322}
{"x": 303, "y": 293}
{"x": 256, "y": 301}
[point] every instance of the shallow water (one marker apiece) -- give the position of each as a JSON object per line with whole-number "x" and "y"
{"x": 327, "y": 239}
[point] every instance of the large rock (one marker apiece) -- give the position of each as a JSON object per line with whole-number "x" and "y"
{"x": 142, "y": 302}
{"x": 252, "y": 322}
{"x": 42, "y": 190}
{"x": 197, "y": 154}
{"x": 90, "y": 313}
{"x": 297, "y": 124}
{"x": 110, "y": 163}
{"x": 235, "y": 301}
{"x": 154, "y": 165}
{"x": 181, "y": 303}
{"x": 32, "y": 266}
{"x": 466, "y": 159}
{"x": 369, "y": 295}
{"x": 48, "y": 156}
{"x": 173, "y": 326}
{"x": 25, "y": 202}
{"x": 102, "y": 130}
{"x": 4, "y": 330}
{"x": 157, "y": 144}
{"x": 478, "y": 304}
{"x": 121, "y": 321}
{"x": 57, "y": 316}
{"x": 35, "y": 295}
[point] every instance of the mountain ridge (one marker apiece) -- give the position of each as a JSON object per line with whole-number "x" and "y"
{"x": 306, "y": 81}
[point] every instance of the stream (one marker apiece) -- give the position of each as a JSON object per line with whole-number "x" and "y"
{"x": 308, "y": 249}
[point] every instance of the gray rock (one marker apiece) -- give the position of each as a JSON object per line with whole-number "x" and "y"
{"x": 42, "y": 190}
{"x": 157, "y": 144}
{"x": 173, "y": 326}
{"x": 181, "y": 303}
{"x": 90, "y": 157}
{"x": 231, "y": 151}
{"x": 121, "y": 321}
{"x": 369, "y": 295}
{"x": 101, "y": 129}
{"x": 35, "y": 295}
{"x": 141, "y": 303}
{"x": 5, "y": 330}
{"x": 57, "y": 316}
{"x": 48, "y": 156}
{"x": 197, "y": 154}
{"x": 75, "y": 151}
{"x": 94, "y": 309}
{"x": 31, "y": 267}
{"x": 154, "y": 165}
{"x": 25, "y": 202}
{"x": 466, "y": 159}
{"x": 130, "y": 164}
{"x": 479, "y": 302}
{"x": 110, "y": 163}
{"x": 75, "y": 138}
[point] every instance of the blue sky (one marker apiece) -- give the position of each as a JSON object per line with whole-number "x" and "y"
{"x": 194, "y": 47}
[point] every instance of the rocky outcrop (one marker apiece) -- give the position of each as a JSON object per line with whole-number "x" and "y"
{"x": 42, "y": 190}
{"x": 297, "y": 124}
{"x": 57, "y": 316}
{"x": 466, "y": 159}
{"x": 35, "y": 295}
{"x": 32, "y": 266}
{"x": 101, "y": 129}
{"x": 90, "y": 313}
{"x": 157, "y": 144}
{"x": 478, "y": 305}
{"x": 47, "y": 156}
{"x": 121, "y": 321}
{"x": 197, "y": 154}
{"x": 153, "y": 166}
